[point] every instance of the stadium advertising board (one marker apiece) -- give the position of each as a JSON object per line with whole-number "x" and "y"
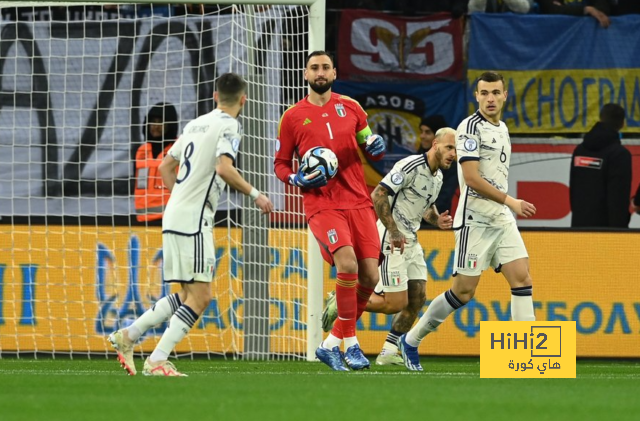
{"x": 539, "y": 173}
{"x": 381, "y": 47}
{"x": 66, "y": 289}
{"x": 559, "y": 83}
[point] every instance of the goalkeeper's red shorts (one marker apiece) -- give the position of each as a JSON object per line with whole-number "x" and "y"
{"x": 335, "y": 228}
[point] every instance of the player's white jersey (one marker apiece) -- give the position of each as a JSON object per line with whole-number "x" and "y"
{"x": 413, "y": 188}
{"x": 480, "y": 140}
{"x": 195, "y": 195}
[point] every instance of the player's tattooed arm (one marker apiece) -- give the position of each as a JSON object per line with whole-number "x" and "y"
{"x": 380, "y": 197}
{"x": 443, "y": 220}
{"x": 431, "y": 216}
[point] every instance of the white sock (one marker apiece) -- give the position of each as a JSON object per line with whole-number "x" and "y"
{"x": 390, "y": 345}
{"x": 389, "y": 348}
{"x": 179, "y": 326}
{"x": 349, "y": 342}
{"x": 438, "y": 310}
{"x": 522, "y": 304}
{"x": 331, "y": 342}
{"x": 159, "y": 313}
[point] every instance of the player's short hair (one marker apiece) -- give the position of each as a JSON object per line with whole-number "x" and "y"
{"x": 490, "y": 77}
{"x": 612, "y": 115}
{"x": 445, "y": 130}
{"x": 230, "y": 87}
{"x": 318, "y": 53}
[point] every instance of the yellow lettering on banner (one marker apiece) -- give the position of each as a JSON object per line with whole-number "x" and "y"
{"x": 564, "y": 101}
{"x": 528, "y": 349}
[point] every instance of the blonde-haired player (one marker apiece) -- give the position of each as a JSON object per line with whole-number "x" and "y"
{"x": 404, "y": 197}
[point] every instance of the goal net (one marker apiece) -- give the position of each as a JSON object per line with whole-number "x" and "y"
{"x": 87, "y": 94}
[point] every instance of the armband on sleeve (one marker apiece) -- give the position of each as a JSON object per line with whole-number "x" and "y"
{"x": 362, "y": 135}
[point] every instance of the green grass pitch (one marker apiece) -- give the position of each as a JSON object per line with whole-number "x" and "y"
{"x": 449, "y": 389}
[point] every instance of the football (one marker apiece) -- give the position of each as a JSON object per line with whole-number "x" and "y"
{"x": 320, "y": 159}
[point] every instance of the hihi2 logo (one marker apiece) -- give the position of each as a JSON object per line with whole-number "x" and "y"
{"x": 527, "y": 349}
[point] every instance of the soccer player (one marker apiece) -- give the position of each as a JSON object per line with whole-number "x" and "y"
{"x": 339, "y": 211}
{"x": 486, "y": 232}
{"x": 205, "y": 153}
{"x": 405, "y": 196}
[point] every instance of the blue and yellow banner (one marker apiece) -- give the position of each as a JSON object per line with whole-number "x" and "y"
{"x": 558, "y": 82}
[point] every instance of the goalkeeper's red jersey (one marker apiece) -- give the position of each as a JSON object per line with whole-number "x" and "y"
{"x": 333, "y": 126}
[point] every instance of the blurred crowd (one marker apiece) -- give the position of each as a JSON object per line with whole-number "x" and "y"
{"x": 597, "y": 9}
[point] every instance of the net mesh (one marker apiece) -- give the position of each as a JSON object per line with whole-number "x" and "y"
{"x": 77, "y": 84}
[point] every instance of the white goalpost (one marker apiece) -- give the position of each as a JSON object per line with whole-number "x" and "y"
{"x": 78, "y": 257}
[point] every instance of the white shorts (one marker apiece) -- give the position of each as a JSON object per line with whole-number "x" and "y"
{"x": 188, "y": 258}
{"x": 396, "y": 269}
{"x": 477, "y": 248}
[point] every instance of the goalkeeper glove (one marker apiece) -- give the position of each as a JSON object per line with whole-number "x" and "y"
{"x": 303, "y": 181}
{"x": 375, "y": 145}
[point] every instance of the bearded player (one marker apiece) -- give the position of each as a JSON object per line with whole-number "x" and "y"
{"x": 339, "y": 211}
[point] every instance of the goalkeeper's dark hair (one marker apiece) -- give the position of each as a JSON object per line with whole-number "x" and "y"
{"x": 490, "y": 77}
{"x": 230, "y": 87}
{"x": 613, "y": 116}
{"x": 318, "y": 53}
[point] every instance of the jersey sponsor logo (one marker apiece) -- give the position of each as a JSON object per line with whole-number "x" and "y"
{"x": 277, "y": 145}
{"x": 340, "y": 110}
{"x": 588, "y": 162}
{"x": 333, "y": 236}
{"x": 306, "y": 121}
{"x": 397, "y": 178}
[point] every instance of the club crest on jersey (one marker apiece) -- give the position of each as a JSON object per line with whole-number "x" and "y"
{"x": 472, "y": 261}
{"x": 340, "y": 110}
{"x": 333, "y": 236}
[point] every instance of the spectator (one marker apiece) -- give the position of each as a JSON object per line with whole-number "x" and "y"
{"x": 500, "y": 6}
{"x": 160, "y": 130}
{"x": 635, "y": 203}
{"x": 598, "y": 9}
{"x": 428, "y": 127}
{"x": 600, "y": 178}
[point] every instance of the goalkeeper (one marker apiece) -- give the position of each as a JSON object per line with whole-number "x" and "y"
{"x": 405, "y": 196}
{"x": 339, "y": 211}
